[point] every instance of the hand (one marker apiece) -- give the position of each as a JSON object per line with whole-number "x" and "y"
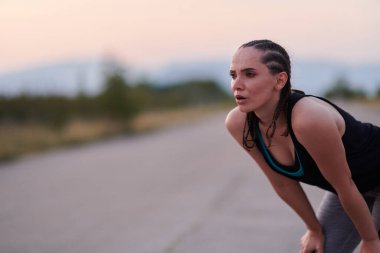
{"x": 313, "y": 241}
{"x": 370, "y": 246}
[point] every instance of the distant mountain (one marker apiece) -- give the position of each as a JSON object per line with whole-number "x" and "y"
{"x": 63, "y": 78}
{"x": 68, "y": 78}
{"x": 317, "y": 76}
{"x": 177, "y": 71}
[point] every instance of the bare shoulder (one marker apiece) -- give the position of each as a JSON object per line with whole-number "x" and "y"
{"x": 235, "y": 121}
{"x": 311, "y": 115}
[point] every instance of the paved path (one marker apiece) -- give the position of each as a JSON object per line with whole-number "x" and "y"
{"x": 184, "y": 189}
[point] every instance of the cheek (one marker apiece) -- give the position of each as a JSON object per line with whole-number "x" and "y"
{"x": 260, "y": 86}
{"x": 261, "y": 92}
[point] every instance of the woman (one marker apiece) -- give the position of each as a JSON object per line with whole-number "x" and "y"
{"x": 297, "y": 138}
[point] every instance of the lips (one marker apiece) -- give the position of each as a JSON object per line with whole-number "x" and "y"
{"x": 240, "y": 99}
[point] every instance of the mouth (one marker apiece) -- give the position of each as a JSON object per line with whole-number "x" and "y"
{"x": 240, "y": 99}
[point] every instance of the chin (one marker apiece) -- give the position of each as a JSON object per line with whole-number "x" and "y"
{"x": 244, "y": 109}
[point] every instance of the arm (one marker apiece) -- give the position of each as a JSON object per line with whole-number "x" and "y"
{"x": 321, "y": 136}
{"x": 295, "y": 197}
{"x": 290, "y": 191}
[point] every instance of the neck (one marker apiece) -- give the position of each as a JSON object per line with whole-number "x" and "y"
{"x": 265, "y": 116}
{"x": 268, "y": 121}
{"x": 265, "y": 113}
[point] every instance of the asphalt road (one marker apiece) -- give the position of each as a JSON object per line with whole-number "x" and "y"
{"x": 183, "y": 189}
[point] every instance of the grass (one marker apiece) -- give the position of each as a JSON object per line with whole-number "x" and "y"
{"x": 375, "y": 103}
{"x": 17, "y": 140}
{"x": 158, "y": 119}
{"x": 21, "y": 139}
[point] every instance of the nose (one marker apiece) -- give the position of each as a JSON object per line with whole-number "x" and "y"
{"x": 237, "y": 84}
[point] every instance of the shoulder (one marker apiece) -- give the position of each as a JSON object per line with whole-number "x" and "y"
{"x": 311, "y": 115}
{"x": 235, "y": 121}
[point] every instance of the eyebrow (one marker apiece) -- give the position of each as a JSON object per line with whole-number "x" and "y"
{"x": 244, "y": 70}
{"x": 248, "y": 69}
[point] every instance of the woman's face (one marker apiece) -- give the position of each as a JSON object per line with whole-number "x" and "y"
{"x": 253, "y": 86}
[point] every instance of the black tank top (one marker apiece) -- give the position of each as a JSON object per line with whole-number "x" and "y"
{"x": 362, "y": 146}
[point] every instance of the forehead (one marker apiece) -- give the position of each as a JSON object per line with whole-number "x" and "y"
{"x": 247, "y": 57}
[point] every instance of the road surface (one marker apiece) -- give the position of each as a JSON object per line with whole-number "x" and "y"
{"x": 184, "y": 189}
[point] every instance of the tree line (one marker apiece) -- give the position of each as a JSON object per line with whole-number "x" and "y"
{"x": 343, "y": 89}
{"x": 118, "y": 100}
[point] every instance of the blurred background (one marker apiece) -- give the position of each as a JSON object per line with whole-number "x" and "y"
{"x": 93, "y": 61}
{"x": 72, "y": 72}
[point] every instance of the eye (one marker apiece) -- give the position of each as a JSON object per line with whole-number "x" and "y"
{"x": 250, "y": 74}
{"x": 233, "y": 75}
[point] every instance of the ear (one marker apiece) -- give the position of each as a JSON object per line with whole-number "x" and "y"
{"x": 282, "y": 78}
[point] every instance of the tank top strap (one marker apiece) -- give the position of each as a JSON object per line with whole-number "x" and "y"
{"x": 294, "y": 97}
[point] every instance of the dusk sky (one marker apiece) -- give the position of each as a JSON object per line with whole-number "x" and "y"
{"x": 155, "y": 32}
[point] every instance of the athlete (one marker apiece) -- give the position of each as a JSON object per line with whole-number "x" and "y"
{"x": 296, "y": 138}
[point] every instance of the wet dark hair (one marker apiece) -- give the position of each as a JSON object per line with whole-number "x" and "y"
{"x": 277, "y": 60}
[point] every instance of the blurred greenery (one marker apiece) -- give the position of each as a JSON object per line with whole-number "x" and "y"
{"x": 377, "y": 93}
{"x": 118, "y": 100}
{"x": 182, "y": 94}
{"x": 343, "y": 89}
{"x": 31, "y": 123}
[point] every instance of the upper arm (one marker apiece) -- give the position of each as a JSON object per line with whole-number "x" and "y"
{"x": 321, "y": 137}
{"x": 235, "y": 121}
